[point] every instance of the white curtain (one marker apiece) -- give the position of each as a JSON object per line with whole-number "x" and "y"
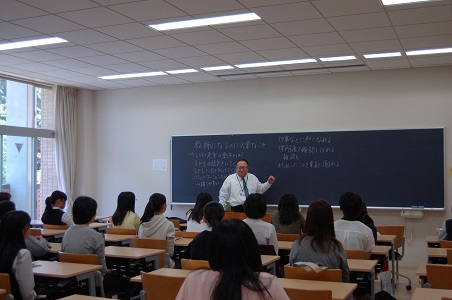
{"x": 66, "y": 140}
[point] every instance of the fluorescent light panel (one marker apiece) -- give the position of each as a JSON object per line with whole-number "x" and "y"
{"x": 133, "y": 75}
{"x": 276, "y": 63}
{"x": 400, "y": 2}
{"x": 381, "y": 55}
{"x": 32, "y": 43}
{"x": 338, "y": 58}
{"x": 429, "y": 51}
{"x": 207, "y": 69}
{"x": 206, "y": 22}
{"x": 184, "y": 71}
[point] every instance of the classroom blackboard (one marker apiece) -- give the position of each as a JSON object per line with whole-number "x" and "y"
{"x": 388, "y": 168}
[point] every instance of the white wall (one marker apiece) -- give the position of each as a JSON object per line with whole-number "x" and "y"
{"x": 125, "y": 129}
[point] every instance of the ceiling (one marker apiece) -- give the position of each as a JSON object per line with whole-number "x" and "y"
{"x": 108, "y": 37}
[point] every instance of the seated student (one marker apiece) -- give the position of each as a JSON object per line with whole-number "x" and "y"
{"x": 37, "y": 245}
{"x": 288, "y": 219}
{"x": 195, "y": 222}
{"x": 199, "y": 247}
{"x": 367, "y": 220}
{"x": 124, "y": 215}
{"x": 15, "y": 259}
{"x": 236, "y": 268}
{"x": 155, "y": 225}
{"x": 255, "y": 208}
{"x": 54, "y": 214}
{"x": 353, "y": 234}
{"x": 318, "y": 243}
{"x": 5, "y": 196}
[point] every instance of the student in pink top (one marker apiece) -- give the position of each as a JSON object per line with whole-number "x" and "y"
{"x": 236, "y": 268}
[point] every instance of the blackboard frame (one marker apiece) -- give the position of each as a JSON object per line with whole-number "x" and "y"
{"x": 424, "y": 137}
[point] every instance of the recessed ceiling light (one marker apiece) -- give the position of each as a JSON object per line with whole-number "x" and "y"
{"x": 338, "y": 58}
{"x": 400, "y": 2}
{"x": 133, "y": 75}
{"x": 429, "y": 51}
{"x": 32, "y": 43}
{"x": 276, "y": 63}
{"x": 206, "y": 22}
{"x": 207, "y": 69}
{"x": 182, "y": 71}
{"x": 380, "y": 55}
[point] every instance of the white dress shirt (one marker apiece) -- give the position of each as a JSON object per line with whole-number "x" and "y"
{"x": 264, "y": 232}
{"x": 354, "y": 235}
{"x": 232, "y": 191}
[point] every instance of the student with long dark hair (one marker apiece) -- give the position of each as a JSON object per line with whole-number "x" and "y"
{"x": 155, "y": 225}
{"x": 288, "y": 218}
{"x": 199, "y": 247}
{"x": 54, "y": 213}
{"x": 236, "y": 269}
{"x": 195, "y": 222}
{"x": 124, "y": 215}
{"x": 318, "y": 243}
{"x": 15, "y": 259}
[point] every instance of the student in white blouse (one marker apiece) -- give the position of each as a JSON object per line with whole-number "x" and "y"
{"x": 195, "y": 221}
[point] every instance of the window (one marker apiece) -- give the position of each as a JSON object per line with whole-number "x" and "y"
{"x": 28, "y": 168}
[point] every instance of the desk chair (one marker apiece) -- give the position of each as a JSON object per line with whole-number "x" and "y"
{"x": 301, "y": 273}
{"x": 89, "y": 259}
{"x": 51, "y": 226}
{"x": 152, "y": 244}
{"x": 176, "y": 223}
{"x": 296, "y": 294}
{"x": 270, "y": 250}
{"x": 185, "y": 234}
{"x": 287, "y": 237}
{"x": 193, "y": 264}
{"x": 399, "y": 242}
{"x": 234, "y": 215}
{"x": 356, "y": 254}
{"x": 439, "y": 276}
{"x": 445, "y": 244}
{"x": 160, "y": 287}
{"x": 449, "y": 256}
{"x": 267, "y": 218}
{"x": 126, "y": 231}
{"x": 5, "y": 284}
{"x": 35, "y": 231}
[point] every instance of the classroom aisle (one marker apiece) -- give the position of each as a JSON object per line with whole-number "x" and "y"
{"x": 401, "y": 293}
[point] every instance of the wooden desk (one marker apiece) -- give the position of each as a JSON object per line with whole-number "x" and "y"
{"x": 285, "y": 245}
{"x": 80, "y": 297}
{"x": 432, "y": 241}
{"x": 437, "y": 255}
{"x": 56, "y": 247}
{"x": 67, "y": 270}
{"x": 101, "y": 227}
{"x": 102, "y": 219}
{"x": 182, "y": 242}
{"x": 36, "y": 224}
{"x": 124, "y": 239}
{"x": 364, "y": 266}
{"x": 53, "y": 234}
{"x": 269, "y": 261}
{"x": 421, "y": 271}
{"x": 126, "y": 255}
{"x": 388, "y": 239}
{"x": 431, "y": 294}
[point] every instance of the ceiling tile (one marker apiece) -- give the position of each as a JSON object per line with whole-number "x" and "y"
{"x": 223, "y": 48}
{"x": 287, "y": 12}
{"x": 39, "y": 55}
{"x": 12, "y": 9}
{"x": 268, "y": 44}
{"x": 377, "y": 46}
{"x": 250, "y": 32}
{"x": 303, "y": 27}
{"x": 198, "y": 77}
{"x": 362, "y": 21}
{"x": 371, "y": 34}
{"x": 378, "y": 64}
{"x": 168, "y": 80}
{"x": 259, "y": 3}
{"x": 157, "y": 42}
{"x": 75, "y": 51}
{"x": 58, "y": 6}
{"x": 334, "y": 8}
{"x": 96, "y": 17}
{"x": 10, "y": 60}
{"x": 201, "y": 37}
{"x": 127, "y": 68}
{"x": 93, "y": 71}
{"x": 317, "y": 39}
{"x": 36, "y": 67}
{"x": 328, "y": 50}
{"x": 179, "y": 52}
{"x": 283, "y": 54}
{"x": 69, "y": 63}
{"x": 426, "y": 29}
{"x": 200, "y": 61}
{"x": 196, "y": 7}
{"x": 421, "y": 15}
{"x": 427, "y": 42}
{"x": 49, "y": 24}
{"x": 63, "y": 73}
{"x": 140, "y": 56}
{"x": 147, "y": 10}
{"x": 239, "y": 58}
{"x": 166, "y": 64}
{"x": 128, "y": 31}
{"x": 84, "y": 37}
{"x": 102, "y": 60}
{"x": 430, "y": 60}
{"x": 114, "y": 47}
{"x": 9, "y": 31}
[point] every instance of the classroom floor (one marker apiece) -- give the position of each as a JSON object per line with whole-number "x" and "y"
{"x": 401, "y": 293}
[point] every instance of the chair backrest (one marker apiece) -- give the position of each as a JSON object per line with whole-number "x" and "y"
{"x": 90, "y": 259}
{"x": 35, "y": 231}
{"x": 288, "y": 237}
{"x": 151, "y": 244}
{"x": 161, "y": 287}
{"x": 296, "y": 294}
{"x": 446, "y": 298}
{"x": 50, "y": 226}
{"x": 185, "y": 234}
{"x": 449, "y": 256}
{"x": 356, "y": 254}
{"x": 397, "y": 230}
{"x": 176, "y": 223}
{"x": 5, "y": 284}
{"x": 193, "y": 264}
{"x": 445, "y": 244}
{"x": 234, "y": 215}
{"x": 325, "y": 275}
{"x": 439, "y": 276}
{"x": 116, "y": 230}
{"x": 267, "y": 218}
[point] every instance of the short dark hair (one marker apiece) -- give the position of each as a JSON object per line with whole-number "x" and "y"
{"x": 213, "y": 212}
{"x": 255, "y": 206}
{"x": 6, "y": 206}
{"x": 5, "y": 196}
{"x": 242, "y": 159}
{"x": 84, "y": 209}
{"x": 157, "y": 200}
{"x": 350, "y": 204}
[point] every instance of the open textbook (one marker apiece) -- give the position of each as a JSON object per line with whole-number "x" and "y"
{"x": 308, "y": 266}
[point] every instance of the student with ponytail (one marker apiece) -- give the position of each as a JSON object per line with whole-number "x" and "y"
{"x": 54, "y": 213}
{"x": 213, "y": 213}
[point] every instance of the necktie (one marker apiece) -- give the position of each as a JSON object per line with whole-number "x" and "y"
{"x": 245, "y": 188}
